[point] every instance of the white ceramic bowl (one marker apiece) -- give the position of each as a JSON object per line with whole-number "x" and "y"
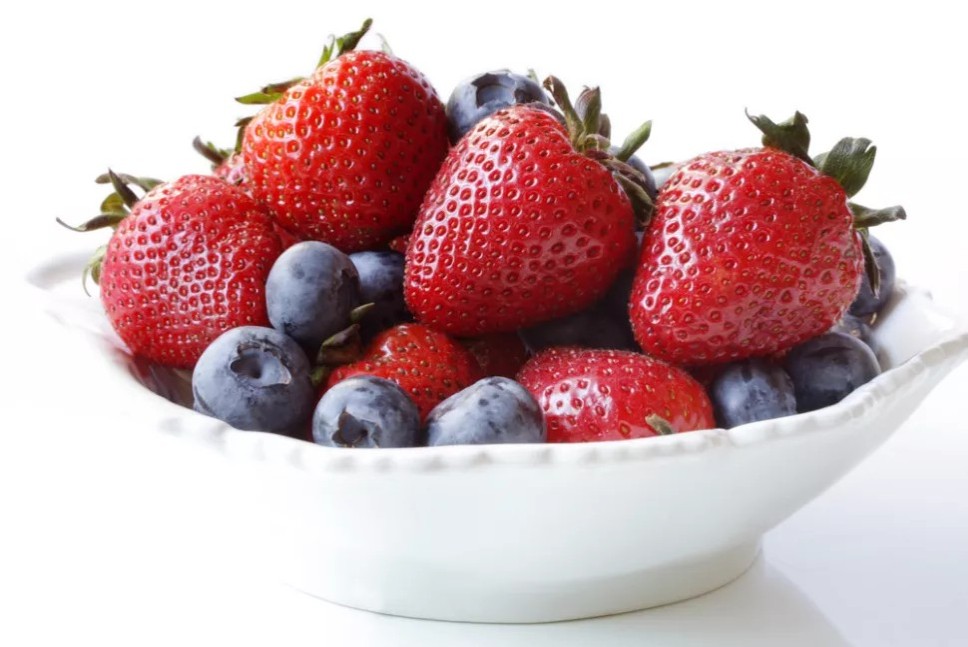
{"x": 532, "y": 533}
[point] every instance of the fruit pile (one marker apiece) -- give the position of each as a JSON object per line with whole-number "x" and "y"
{"x": 372, "y": 268}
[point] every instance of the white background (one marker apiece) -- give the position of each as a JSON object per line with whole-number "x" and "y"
{"x": 112, "y": 535}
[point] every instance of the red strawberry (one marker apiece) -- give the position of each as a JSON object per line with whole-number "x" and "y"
{"x": 189, "y": 262}
{"x": 753, "y": 251}
{"x": 524, "y": 222}
{"x": 346, "y": 155}
{"x": 500, "y": 354}
{"x": 428, "y": 365}
{"x": 588, "y": 395}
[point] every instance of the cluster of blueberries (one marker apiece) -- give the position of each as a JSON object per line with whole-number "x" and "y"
{"x": 262, "y": 378}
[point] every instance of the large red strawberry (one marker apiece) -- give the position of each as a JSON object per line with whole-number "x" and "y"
{"x": 526, "y": 221}
{"x": 187, "y": 263}
{"x": 346, "y": 155}
{"x": 588, "y": 395}
{"x": 753, "y": 251}
{"x": 428, "y": 365}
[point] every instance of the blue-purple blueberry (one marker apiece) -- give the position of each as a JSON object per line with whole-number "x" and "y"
{"x": 827, "y": 368}
{"x": 752, "y": 390}
{"x": 484, "y": 94}
{"x": 381, "y": 283}
{"x": 311, "y": 290}
{"x": 256, "y": 379}
{"x": 492, "y": 410}
{"x": 366, "y": 411}
{"x": 857, "y": 327}
{"x": 867, "y": 303}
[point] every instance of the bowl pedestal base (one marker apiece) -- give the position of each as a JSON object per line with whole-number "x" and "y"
{"x": 453, "y": 597}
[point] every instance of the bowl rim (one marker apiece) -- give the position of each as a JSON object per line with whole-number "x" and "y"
{"x": 176, "y": 420}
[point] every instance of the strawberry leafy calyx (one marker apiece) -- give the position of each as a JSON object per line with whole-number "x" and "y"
{"x": 114, "y": 208}
{"x": 335, "y": 47}
{"x": 211, "y": 152}
{"x": 791, "y": 136}
{"x": 339, "y": 45}
{"x": 343, "y": 347}
{"x": 589, "y": 130}
{"x": 849, "y": 162}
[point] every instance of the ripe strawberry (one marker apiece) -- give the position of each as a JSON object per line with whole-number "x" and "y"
{"x": 753, "y": 251}
{"x": 588, "y": 395}
{"x": 526, "y": 221}
{"x": 501, "y": 354}
{"x": 346, "y": 155}
{"x": 428, "y": 365}
{"x": 187, "y": 263}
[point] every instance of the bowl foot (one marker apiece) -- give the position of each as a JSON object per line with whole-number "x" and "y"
{"x": 466, "y": 598}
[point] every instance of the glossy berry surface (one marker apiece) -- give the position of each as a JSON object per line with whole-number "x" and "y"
{"x": 590, "y": 395}
{"x": 867, "y": 303}
{"x": 492, "y": 410}
{"x": 749, "y": 253}
{"x": 828, "y": 368}
{"x": 311, "y": 290}
{"x": 346, "y": 155}
{"x": 188, "y": 263}
{"x": 366, "y": 411}
{"x": 428, "y": 365}
{"x": 516, "y": 229}
{"x": 752, "y": 390}
{"x": 481, "y": 96}
{"x": 255, "y": 379}
{"x": 381, "y": 283}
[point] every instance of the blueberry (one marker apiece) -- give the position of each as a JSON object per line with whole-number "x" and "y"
{"x": 366, "y": 411}
{"x": 484, "y": 94}
{"x": 595, "y": 327}
{"x": 752, "y": 390}
{"x": 492, "y": 410}
{"x": 827, "y": 368}
{"x": 310, "y": 292}
{"x": 866, "y": 304}
{"x": 381, "y": 283}
{"x": 254, "y": 378}
{"x": 856, "y": 327}
{"x": 649, "y": 178}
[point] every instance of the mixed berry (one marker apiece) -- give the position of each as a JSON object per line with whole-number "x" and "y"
{"x": 371, "y": 268}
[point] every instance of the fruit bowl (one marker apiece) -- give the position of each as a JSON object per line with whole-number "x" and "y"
{"x": 529, "y": 533}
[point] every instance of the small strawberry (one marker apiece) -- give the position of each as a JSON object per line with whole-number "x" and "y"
{"x": 428, "y": 365}
{"x": 588, "y": 395}
{"x": 526, "y": 221}
{"x": 346, "y": 155}
{"x": 753, "y": 251}
{"x": 499, "y": 354}
{"x": 227, "y": 164}
{"x": 188, "y": 262}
